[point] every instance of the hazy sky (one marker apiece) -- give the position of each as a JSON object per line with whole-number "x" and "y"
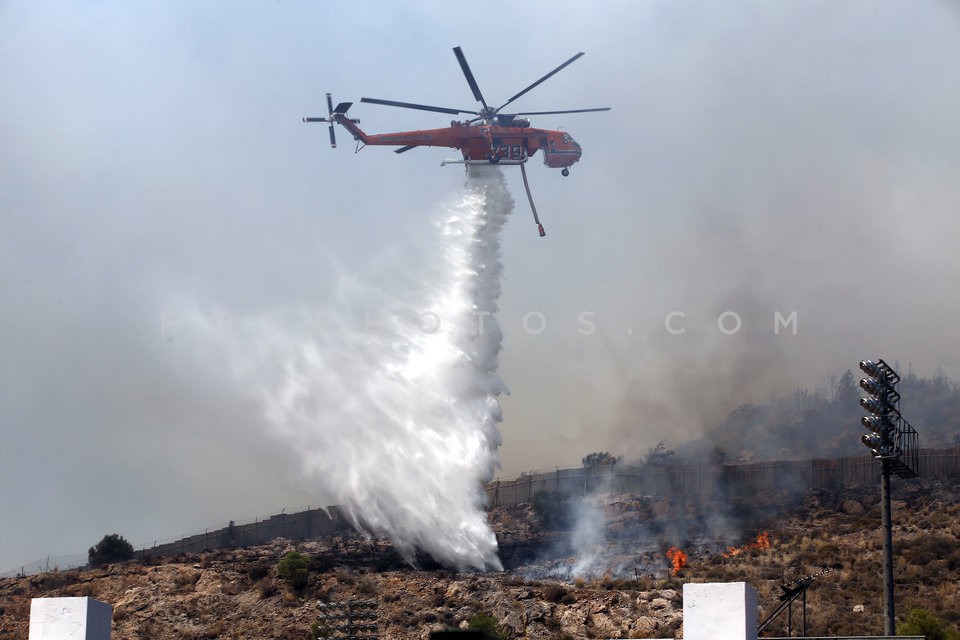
{"x": 761, "y": 158}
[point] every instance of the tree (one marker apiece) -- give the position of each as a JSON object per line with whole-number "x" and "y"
{"x": 599, "y": 459}
{"x": 847, "y": 393}
{"x": 659, "y": 456}
{"x": 231, "y": 540}
{"x": 920, "y": 622}
{"x": 112, "y": 548}
{"x": 295, "y": 569}
{"x": 718, "y": 455}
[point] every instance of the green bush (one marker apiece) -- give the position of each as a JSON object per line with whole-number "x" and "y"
{"x": 920, "y": 622}
{"x": 112, "y": 548}
{"x": 294, "y": 569}
{"x": 489, "y": 624}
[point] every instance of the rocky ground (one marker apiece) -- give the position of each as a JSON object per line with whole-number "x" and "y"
{"x": 629, "y": 590}
{"x": 237, "y": 594}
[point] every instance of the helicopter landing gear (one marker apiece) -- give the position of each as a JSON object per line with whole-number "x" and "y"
{"x": 565, "y": 172}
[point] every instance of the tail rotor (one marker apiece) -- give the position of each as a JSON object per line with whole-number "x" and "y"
{"x": 342, "y": 107}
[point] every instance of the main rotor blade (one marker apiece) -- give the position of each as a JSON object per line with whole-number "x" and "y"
{"x": 410, "y": 105}
{"x": 469, "y": 74}
{"x": 540, "y": 80}
{"x": 545, "y": 113}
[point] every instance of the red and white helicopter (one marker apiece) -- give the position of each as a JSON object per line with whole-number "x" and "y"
{"x": 491, "y": 137}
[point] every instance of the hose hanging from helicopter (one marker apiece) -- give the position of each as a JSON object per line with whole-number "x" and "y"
{"x": 533, "y": 207}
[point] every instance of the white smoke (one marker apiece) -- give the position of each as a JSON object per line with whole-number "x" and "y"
{"x": 588, "y": 537}
{"x": 396, "y": 421}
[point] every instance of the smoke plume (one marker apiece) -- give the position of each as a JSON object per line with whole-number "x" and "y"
{"x": 396, "y": 420}
{"x": 587, "y": 537}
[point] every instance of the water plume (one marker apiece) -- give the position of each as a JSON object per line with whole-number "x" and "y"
{"x": 396, "y": 422}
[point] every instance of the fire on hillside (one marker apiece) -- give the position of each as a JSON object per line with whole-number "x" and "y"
{"x": 677, "y": 558}
{"x": 762, "y": 542}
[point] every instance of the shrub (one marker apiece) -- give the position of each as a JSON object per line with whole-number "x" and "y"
{"x": 368, "y": 588}
{"x": 554, "y": 593}
{"x": 266, "y": 588}
{"x": 258, "y": 572}
{"x": 553, "y": 508}
{"x": 112, "y": 548}
{"x": 489, "y": 624}
{"x": 344, "y": 577}
{"x": 186, "y": 578}
{"x": 920, "y": 622}
{"x": 294, "y": 569}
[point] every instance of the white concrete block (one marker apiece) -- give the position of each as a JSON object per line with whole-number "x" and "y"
{"x": 719, "y": 611}
{"x": 70, "y": 619}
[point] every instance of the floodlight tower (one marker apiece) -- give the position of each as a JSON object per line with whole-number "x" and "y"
{"x": 348, "y": 620}
{"x": 891, "y": 439}
{"x": 883, "y": 405}
{"x": 893, "y": 442}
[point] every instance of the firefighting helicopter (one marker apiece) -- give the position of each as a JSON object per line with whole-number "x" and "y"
{"x": 491, "y": 137}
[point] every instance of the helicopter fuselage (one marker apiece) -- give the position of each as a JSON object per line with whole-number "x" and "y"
{"x": 481, "y": 142}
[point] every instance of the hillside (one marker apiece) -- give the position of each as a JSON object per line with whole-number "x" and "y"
{"x": 238, "y": 594}
{"x": 822, "y": 422}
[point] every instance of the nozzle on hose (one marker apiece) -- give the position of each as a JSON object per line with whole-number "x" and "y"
{"x": 540, "y": 229}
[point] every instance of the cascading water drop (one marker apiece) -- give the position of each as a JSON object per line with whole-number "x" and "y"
{"x": 397, "y": 424}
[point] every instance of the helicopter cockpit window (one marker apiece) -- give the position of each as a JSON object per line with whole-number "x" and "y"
{"x": 567, "y": 138}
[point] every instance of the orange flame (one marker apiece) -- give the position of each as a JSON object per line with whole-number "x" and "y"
{"x": 678, "y": 558}
{"x": 762, "y": 542}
